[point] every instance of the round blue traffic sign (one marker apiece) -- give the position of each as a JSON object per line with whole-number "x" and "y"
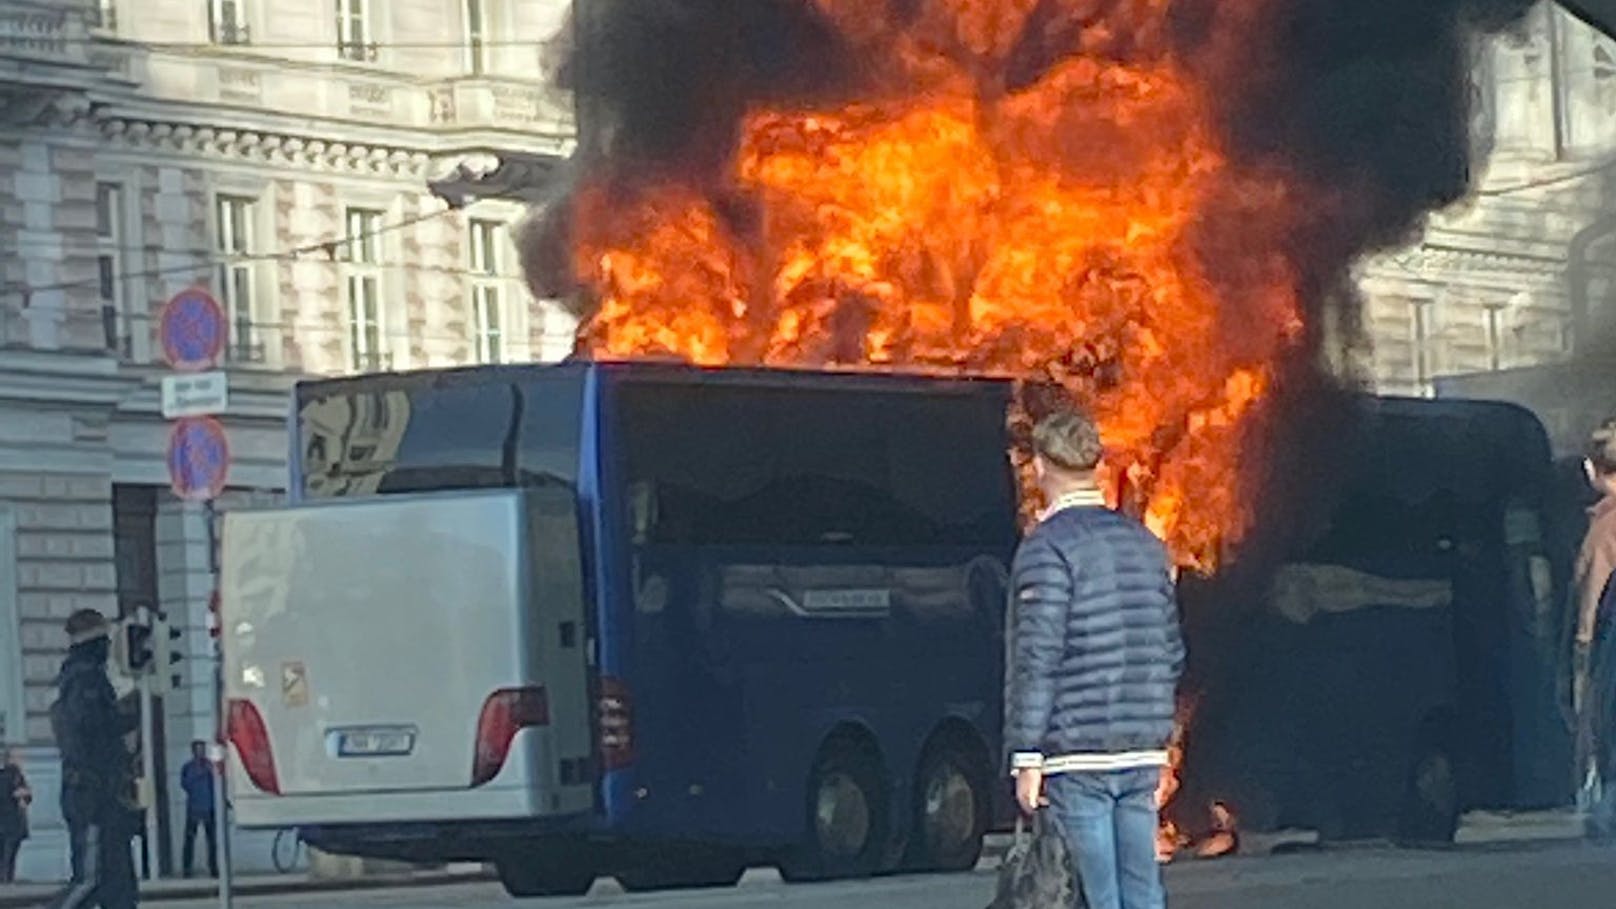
{"x": 198, "y": 459}
{"x": 192, "y": 330}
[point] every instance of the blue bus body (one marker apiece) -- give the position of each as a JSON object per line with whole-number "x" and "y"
{"x": 782, "y": 566}
{"x": 1402, "y": 665}
{"x": 798, "y": 579}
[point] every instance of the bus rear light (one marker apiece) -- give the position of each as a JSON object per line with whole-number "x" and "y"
{"x": 505, "y": 713}
{"x": 615, "y": 724}
{"x": 250, "y": 737}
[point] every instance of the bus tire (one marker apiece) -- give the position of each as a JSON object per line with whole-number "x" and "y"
{"x": 1429, "y": 812}
{"x": 951, "y": 809}
{"x": 544, "y": 872}
{"x": 846, "y": 817}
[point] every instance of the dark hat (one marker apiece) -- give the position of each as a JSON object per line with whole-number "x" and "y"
{"x": 86, "y": 625}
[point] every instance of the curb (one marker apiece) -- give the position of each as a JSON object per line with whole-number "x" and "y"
{"x": 164, "y": 891}
{"x": 1478, "y": 829}
{"x": 1482, "y": 830}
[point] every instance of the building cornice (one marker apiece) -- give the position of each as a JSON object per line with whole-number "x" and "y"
{"x": 382, "y": 107}
{"x": 101, "y": 97}
{"x": 252, "y": 56}
{"x": 471, "y": 152}
{"x": 1437, "y": 257}
{"x": 34, "y": 377}
{"x": 265, "y": 147}
{"x": 137, "y": 107}
{"x": 94, "y": 381}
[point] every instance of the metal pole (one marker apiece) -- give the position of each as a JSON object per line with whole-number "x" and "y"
{"x": 221, "y": 807}
{"x": 148, "y": 759}
{"x": 219, "y": 751}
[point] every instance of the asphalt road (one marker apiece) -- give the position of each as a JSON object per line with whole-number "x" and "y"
{"x": 1573, "y": 876}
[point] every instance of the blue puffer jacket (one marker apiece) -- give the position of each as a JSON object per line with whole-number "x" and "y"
{"x": 1095, "y": 648}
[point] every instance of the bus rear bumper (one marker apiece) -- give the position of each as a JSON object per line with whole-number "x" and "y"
{"x": 441, "y": 841}
{"x": 485, "y": 804}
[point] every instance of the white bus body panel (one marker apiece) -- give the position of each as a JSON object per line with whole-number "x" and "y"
{"x": 369, "y": 633}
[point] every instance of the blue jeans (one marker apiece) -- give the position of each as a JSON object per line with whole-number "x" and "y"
{"x": 1109, "y": 820}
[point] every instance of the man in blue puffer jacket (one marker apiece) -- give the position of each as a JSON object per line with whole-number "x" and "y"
{"x": 1095, "y": 657}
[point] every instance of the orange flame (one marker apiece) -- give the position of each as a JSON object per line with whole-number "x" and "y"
{"x": 1169, "y": 839}
{"x": 1222, "y": 838}
{"x": 955, "y": 219}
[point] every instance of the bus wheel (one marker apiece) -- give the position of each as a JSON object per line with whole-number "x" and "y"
{"x": 1429, "y": 814}
{"x": 951, "y": 811}
{"x": 847, "y": 818}
{"x": 545, "y": 872}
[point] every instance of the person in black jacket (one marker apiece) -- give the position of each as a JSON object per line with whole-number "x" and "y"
{"x": 15, "y": 798}
{"x": 1095, "y": 657}
{"x": 89, "y": 723}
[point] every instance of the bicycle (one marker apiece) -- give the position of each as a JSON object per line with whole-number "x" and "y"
{"x": 288, "y": 850}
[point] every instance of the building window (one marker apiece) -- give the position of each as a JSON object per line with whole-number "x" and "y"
{"x": 227, "y": 22}
{"x": 476, "y": 36}
{"x": 354, "y": 40}
{"x": 105, "y": 15}
{"x": 487, "y": 300}
{"x": 367, "y": 329}
{"x": 109, "y": 262}
{"x": 236, "y": 246}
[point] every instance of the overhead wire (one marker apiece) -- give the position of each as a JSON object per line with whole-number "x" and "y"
{"x": 328, "y": 246}
{"x": 209, "y": 257}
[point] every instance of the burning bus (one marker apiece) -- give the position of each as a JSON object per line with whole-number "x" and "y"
{"x": 1394, "y": 659}
{"x": 661, "y": 622}
{"x": 1149, "y": 208}
{"x": 1146, "y": 208}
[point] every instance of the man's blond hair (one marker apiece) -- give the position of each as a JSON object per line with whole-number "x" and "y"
{"x": 1601, "y": 451}
{"x": 1069, "y": 440}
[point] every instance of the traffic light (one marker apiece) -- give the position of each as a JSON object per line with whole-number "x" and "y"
{"x": 144, "y": 647}
{"x": 137, "y": 648}
{"x": 165, "y": 655}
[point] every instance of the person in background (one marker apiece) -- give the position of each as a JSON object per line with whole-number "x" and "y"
{"x": 1095, "y": 657}
{"x": 1596, "y": 562}
{"x": 14, "y": 800}
{"x": 196, "y": 778}
{"x": 89, "y": 723}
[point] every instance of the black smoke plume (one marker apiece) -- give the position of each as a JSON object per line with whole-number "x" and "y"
{"x": 1368, "y": 96}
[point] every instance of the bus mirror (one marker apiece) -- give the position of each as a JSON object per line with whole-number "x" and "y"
{"x": 642, "y": 510}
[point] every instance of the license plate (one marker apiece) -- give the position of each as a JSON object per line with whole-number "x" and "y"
{"x": 375, "y": 742}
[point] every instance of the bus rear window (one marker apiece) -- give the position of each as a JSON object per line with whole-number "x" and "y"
{"x": 408, "y": 438}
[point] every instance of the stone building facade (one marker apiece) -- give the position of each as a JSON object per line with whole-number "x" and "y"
{"x": 343, "y": 177}
{"x": 1509, "y": 294}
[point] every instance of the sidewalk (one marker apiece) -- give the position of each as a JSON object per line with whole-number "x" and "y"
{"x": 1477, "y": 829}
{"x": 31, "y": 896}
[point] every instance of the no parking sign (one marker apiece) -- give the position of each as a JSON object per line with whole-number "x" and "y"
{"x": 192, "y": 330}
{"x": 198, "y": 459}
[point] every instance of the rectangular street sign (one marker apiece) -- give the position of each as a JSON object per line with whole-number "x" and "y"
{"x": 201, "y": 394}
